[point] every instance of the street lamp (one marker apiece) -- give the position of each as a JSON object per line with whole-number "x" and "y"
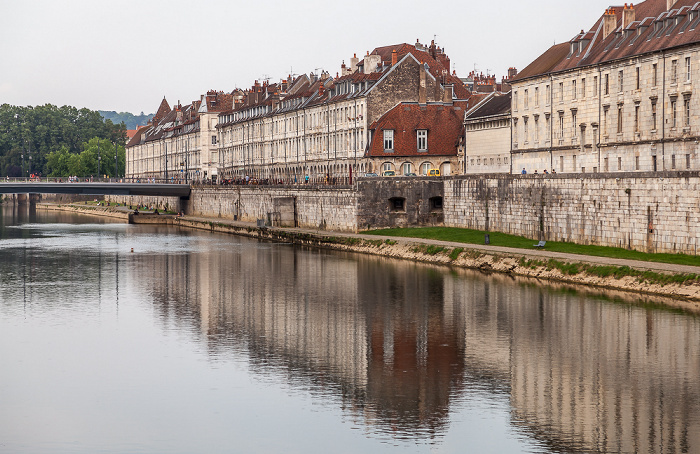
{"x": 99, "y": 159}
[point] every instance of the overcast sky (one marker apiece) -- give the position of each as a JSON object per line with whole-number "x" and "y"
{"x": 127, "y": 55}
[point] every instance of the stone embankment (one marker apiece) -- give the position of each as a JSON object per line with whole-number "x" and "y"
{"x": 680, "y": 283}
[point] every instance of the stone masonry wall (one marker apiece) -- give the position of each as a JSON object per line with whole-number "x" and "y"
{"x": 654, "y": 212}
{"x": 316, "y": 207}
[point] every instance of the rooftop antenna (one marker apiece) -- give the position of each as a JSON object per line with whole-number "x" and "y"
{"x": 265, "y": 77}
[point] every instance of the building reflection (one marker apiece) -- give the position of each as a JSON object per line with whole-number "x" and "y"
{"x": 399, "y": 342}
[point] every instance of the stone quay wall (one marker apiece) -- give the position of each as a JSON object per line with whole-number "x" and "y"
{"x": 652, "y": 212}
{"x": 323, "y": 207}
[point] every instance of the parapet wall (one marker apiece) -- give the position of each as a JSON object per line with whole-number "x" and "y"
{"x": 653, "y": 212}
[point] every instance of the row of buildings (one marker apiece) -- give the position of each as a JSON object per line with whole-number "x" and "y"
{"x": 616, "y": 98}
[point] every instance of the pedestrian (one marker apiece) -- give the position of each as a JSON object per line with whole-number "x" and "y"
{"x": 524, "y": 171}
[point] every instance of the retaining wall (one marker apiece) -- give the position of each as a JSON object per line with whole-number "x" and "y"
{"x": 653, "y": 212}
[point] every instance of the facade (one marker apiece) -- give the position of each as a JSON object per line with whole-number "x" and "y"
{"x": 305, "y": 128}
{"x": 413, "y": 138}
{"x": 179, "y": 144}
{"x": 618, "y": 98}
{"x": 487, "y": 136}
{"x": 320, "y": 127}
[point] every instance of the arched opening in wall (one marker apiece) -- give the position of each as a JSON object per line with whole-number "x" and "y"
{"x": 446, "y": 168}
{"x": 406, "y": 168}
{"x": 436, "y": 203}
{"x": 397, "y": 204}
{"x": 424, "y": 167}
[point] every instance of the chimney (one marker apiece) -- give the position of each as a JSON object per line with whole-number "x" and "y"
{"x": 422, "y": 89}
{"x": 321, "y": 89}
{"x": 669, "y": 4}
{"x": 394, "y": 58}
{"x": 609, "y": 22}
{"x": 627, "y": 15}
{"x": 447, "y": 96}
{"x": 353, "y": 63}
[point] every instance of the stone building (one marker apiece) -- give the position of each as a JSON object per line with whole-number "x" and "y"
{"x": 617, "y": 98}
{"x": 179, "y": 144}
{"x": 319, "y": 126}
{"x": 487, "y": 136}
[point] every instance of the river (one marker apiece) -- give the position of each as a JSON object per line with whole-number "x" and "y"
{"x": 118, "y": 338}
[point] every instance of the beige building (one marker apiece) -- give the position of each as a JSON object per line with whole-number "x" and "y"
{"x": 487, "y": 136}
{"x": 179, "y": 144}
{"x": 321, "y": 127}
{"x": 618, "y": 98}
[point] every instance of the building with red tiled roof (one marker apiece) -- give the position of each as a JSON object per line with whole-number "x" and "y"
{"x": 618, "y": 97}
{"x": 319, "y": 125}
{"x": 312, "y": 125}
{"x": 179, "y": 143}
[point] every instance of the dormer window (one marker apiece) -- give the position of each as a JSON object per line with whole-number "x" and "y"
{"x": 388, "y": 140}
{"x": 422, "y": 140}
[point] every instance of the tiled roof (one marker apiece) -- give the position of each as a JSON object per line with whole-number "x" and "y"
{"x": 494, "y": 104}
{"x": 653, "y": 29}
{"x": 443, "y": 122}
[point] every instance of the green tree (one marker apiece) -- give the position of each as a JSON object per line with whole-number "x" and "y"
{"x": 29, "y": 134}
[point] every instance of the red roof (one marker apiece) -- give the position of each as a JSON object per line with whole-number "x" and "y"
{"x": 653, "y": 29}
{"x": 442, "y": 121}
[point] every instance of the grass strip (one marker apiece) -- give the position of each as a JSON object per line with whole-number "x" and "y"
{"x": 469, "y": 236}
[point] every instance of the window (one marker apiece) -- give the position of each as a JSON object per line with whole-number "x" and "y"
{"x": 636, "y": 118}
{"x": 654, "y": 78}
{"x": 425, "y": 167}
{"x": 636, "y": 163}
{"x": 687, "y": 69}
{"x": 686, "y": 111}
{"x": 573, "y": 123}
{"x": 620, "y": 80}
{"x": 525, "y": 129}
{"x": 561, "y": 125}
{"x": 406, "y": 167}
{"x": 387, "y": 167}
{"x": 583, "y": 88}
{"x": 388, "y": 140}
{"x": 595, "y": 86}
{"x": 515, "y": 100}
{"x": 637, "y": 77}
{"x": 605, "y": 163}
{"x": 653, "y": 115}
{"x": 561, "y": 91}
{"x": 213, "y": 140}
{"x": 547, "y": 93}
{"x": 422, "y": 135}
{"x": 673, "y": 113}
{"x": 573, "y": 89}
{"x": 619, "y": 163}
{"x": 537, "y": 97}
{"x": 619, "y": 119}
{"x": 673, "y": 161}
{"x": 537, "y": 134}
{"x": 687, "y": 161}
{"x": 606, "y": 84}
{"x": 674, "y": 71}
{"x": 525, "y": 99}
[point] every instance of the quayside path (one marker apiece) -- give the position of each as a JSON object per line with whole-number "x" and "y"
{"x": 538, "y": 254}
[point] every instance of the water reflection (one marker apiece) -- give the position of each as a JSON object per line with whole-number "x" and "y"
{"x": 401, "y": 348}
{"x": 399, "y": 343}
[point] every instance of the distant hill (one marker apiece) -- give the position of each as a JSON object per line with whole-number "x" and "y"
{"x": 130, "y": 120}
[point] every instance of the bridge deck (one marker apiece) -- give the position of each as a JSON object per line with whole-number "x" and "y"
{"x": 147, "y": 189}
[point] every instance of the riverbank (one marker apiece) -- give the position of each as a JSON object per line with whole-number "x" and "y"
{"x": 679, "y": 282}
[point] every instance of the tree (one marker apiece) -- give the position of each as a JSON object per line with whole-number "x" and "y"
{"x": 29, "y": 134}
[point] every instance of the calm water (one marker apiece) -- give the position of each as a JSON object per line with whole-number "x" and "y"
{"x": 202, "y": 343}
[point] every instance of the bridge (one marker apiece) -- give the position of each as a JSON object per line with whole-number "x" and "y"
{"x": 100, "y": 188}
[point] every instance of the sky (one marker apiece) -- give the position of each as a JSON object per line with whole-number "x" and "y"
{"x": 127, "y": 55}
